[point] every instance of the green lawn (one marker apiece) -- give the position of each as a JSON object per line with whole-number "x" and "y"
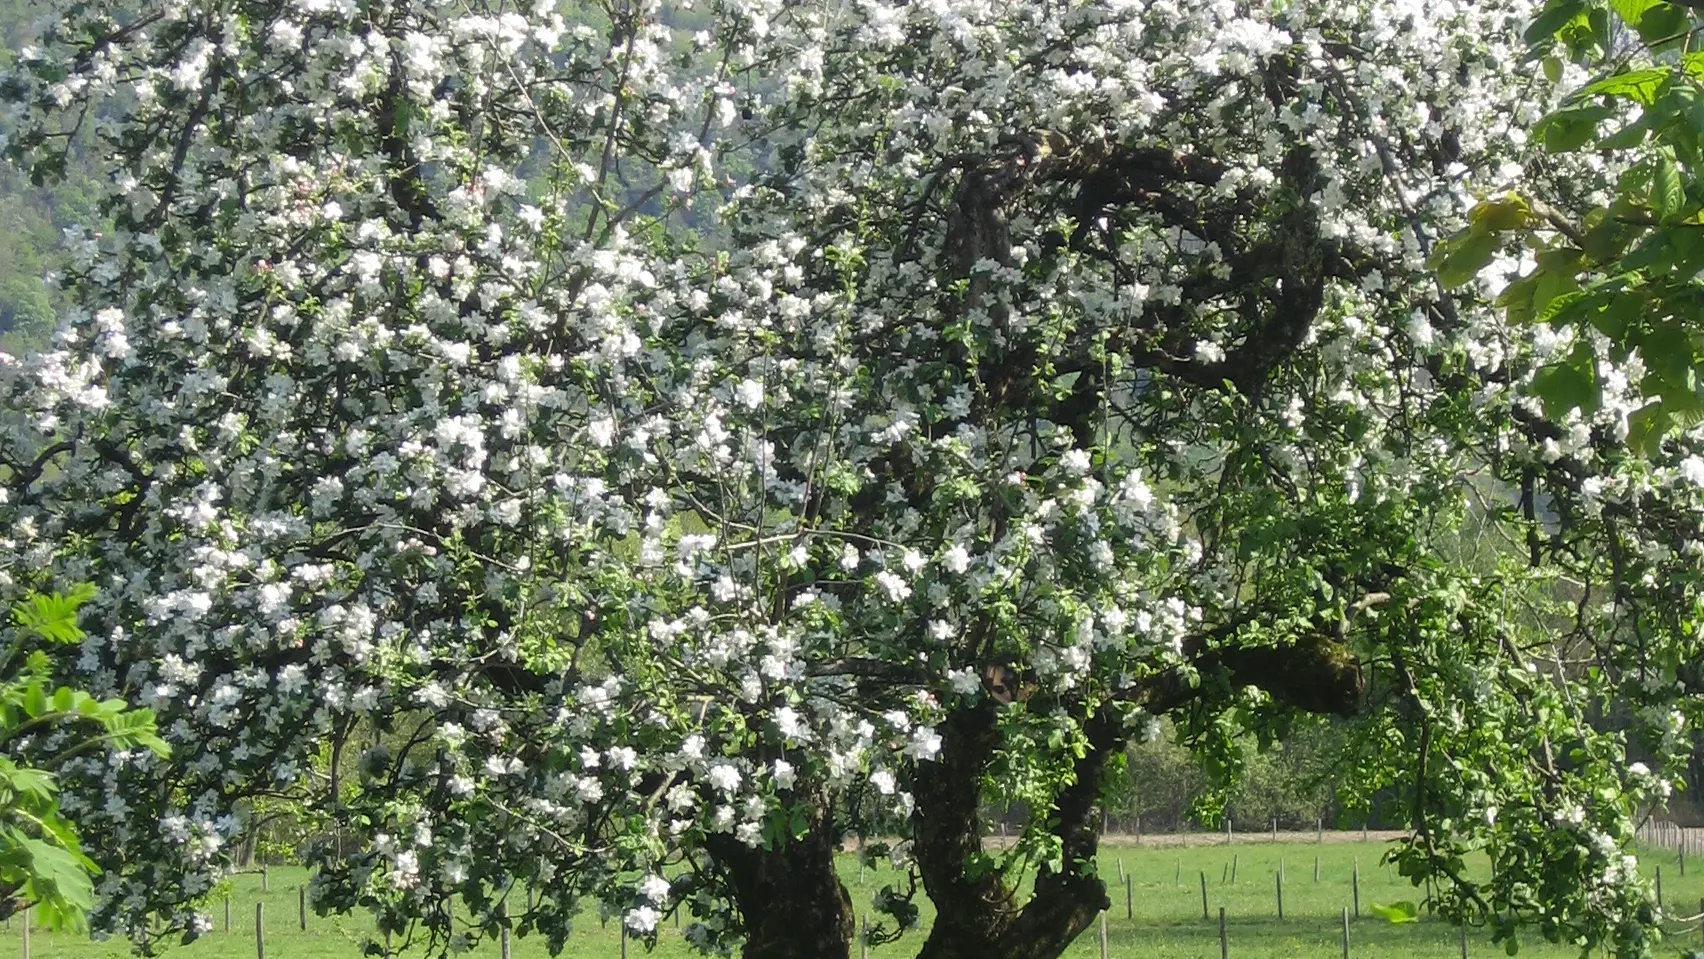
{"x": 1165, "y": 900}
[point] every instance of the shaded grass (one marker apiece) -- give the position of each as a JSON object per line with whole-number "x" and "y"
{"x": 1164, "y": 923}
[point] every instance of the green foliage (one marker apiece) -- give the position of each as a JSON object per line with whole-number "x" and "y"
{"x": 1624, "y": 268}
{"x": 41, "y": 857}
{"x": 1293, "y": 781}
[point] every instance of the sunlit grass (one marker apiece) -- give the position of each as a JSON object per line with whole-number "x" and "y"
{"x": 1164, "y": 923}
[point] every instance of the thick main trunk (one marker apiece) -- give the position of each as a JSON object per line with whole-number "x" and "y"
{"x": 971, "y": 912}
{"x": 790, "y": 898}
{"x": 978, "y": 917}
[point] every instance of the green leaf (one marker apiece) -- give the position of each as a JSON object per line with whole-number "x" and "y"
{"x": 1569, "y": 129}
{"x": 1646, "y": 427}
{"x": 59, "y": 870}
{"x": 1501, "y": 215}
{"x": 31, "y": 784}
{"x": 1668, "y": 192}
{"x": 1568, "y": 385}
{"x": 1627, "y": 137}
{"x": 1640, "y": 86}
{"x": 1632, "y": 11}
{"x": 1461, "y": 258}
{"x": 53, "y": 617}
{"x": 1396, "y": 913}
{"x": 1556, "y": 13}
{"x": 35, "y": 700}
{"x": 1662, "y": 26}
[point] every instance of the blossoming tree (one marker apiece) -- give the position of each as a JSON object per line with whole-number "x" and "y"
{"x": 686, "y": 436}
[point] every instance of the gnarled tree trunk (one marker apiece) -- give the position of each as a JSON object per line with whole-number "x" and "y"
{"x": 791, "y": 899}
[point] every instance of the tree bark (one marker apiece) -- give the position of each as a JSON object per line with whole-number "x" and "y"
{"x": 971, "y": 912}
{"x": 791, "y": 899}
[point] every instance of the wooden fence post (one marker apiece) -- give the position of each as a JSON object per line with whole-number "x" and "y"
{"x": 1233, "y": 868}
{"x": 1129, "y": 908}
{"x": 302, "y": 907}
{"x": 1204, "y": 895}
{"x": 1345, "y": 932}
{"x": 260, "y": 930}
{"x": 1103, "y": 933}
{"x": 1280, "y": 877}
{"x": 1224, "y": 943}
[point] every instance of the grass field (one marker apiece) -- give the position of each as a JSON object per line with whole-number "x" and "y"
{"x": 1165, "y": 900}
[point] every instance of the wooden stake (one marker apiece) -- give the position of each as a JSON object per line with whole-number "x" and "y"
{"x": 624, "y": 940}
{"x": 503, "y": 931}
{"x": 1224, "y": 943}
{"x": 1355, "y": 884}
{"x": 1233, "y": 869}
{"x": 1120, "y": 868}
{"x": 1204, "y": 895}
{"x": 1274, "y": 828}
{"x": 1464, "y": 940}
{"x": 1319, "y": 829}
{"x": 1316, "y": 869}
{"x": 265, "y": 879}
{"x": 1129, "y": 911}
{"x": 302, "y": 907}
{"x": 1103, "y": 933}
{"x": 1280, "y": 877}
{"x": 1659, "y": 888}
{"x": 1177, "y": 880}
{"x": 227, "y": 912}
{"x": 27, "y": 934}
{"x": 260, "y": 930}
{"x": 864, "y": 938}
{"x": 1345, "y": 932}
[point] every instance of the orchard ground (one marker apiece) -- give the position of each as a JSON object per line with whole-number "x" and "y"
{"x": 1165, "y": 902}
